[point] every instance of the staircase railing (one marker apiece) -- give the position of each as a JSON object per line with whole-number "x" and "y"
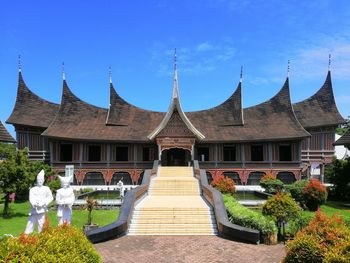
{"x": 225, "y": 228}
{"x": 121, "y": 225}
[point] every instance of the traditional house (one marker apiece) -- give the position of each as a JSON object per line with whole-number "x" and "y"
{"x": 123, "y": 140}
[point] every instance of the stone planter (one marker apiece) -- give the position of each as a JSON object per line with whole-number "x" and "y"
{"x": 270, "y": 239}
{"x": 87, "y": 228}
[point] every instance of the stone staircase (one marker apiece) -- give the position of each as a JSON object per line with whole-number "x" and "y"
{"x": 173, "y": 206}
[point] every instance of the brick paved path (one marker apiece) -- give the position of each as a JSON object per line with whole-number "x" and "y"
{"x": 191, "y": 249}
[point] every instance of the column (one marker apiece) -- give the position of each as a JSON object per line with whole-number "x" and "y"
{"x": 242, "y": 155}
{"x": 108, "y": 155}
{"x": 81, "y": 151}
{"x": 270, "y": 153}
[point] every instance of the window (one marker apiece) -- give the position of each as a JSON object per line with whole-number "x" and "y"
{"x": 203, "y": 154}
{"x": 229, "y": 153}
{"x": 148, "y": 154}
{"x": 122, "y": 154}
{"x": 94, "y": 153}
{"x": 257, "y": 153}
{"x": 285, "y": 152}
{"x": 66, "y": 152}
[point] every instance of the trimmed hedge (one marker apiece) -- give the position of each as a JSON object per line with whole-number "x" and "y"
{"x": 246, "y": 217}
{"x": 60, "y": 244}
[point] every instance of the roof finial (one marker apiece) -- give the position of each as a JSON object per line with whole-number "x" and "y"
{"x": 19, "y": 64}
{"x": 63, "y": 72}
{"x": 288, "y": 70}
{"x": 329, "y": 62}
{"x": 241, "y": 75}
{"x": 110, "y": 74}
{"x": 175, "y": 59}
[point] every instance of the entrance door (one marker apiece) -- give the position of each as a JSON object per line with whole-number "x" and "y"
{"x": 176, "y": 157}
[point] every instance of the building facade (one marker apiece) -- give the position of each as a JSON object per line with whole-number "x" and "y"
{"x": 105, "y": 144}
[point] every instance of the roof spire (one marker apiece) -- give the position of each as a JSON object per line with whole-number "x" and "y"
{"x": 63, "y": 72}
{"x": 175, "y": 85}
{"x": 19, "y": 64}
{"x": 288, "y": 69}
{"x": 110, "y": 74}
{"x": 241, "y": 75}
{"x": 329, "y": 62}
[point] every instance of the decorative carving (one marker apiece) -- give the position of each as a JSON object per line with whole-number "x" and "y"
{"x": 175, "y": 127}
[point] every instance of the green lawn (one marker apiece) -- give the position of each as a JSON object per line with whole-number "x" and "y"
{"x": 17, "y": 222}
{"x": 334, "y": 207}
{"x": 330, "y": 208}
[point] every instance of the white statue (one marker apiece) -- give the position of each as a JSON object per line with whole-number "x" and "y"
{"x": 65, "y": 199}
{"x": 40, "y": 197}
{"x": 120, "y": 185}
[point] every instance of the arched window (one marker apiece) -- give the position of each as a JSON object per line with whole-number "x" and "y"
{"x": 93, "y": 178}
{"x": 254, "y": 178}
{"x": 286, "y": 177}
{"x": 234, "y": 176}
{"x": 119, "y": 175}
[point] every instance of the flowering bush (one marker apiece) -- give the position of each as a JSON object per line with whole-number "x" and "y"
{"x": 321, "y": 239}
{"x": 271, "y": 184}
{"x": 315, "y": 194}
{"x": 268, "y": 176}
{"x": 224, "y": 184}
{"x": 60, "y": 244}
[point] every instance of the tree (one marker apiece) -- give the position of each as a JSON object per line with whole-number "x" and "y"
{"x": 17, "y": 173}
{"x": 338, "y": 174}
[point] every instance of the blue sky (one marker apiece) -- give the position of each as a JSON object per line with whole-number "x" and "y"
{"x": 137, "y": 38}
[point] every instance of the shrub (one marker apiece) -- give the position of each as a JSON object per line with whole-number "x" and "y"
{"x": 296, "y": 190}
{"x": 339, "y": 254}
{"x": 60, "y": 244}
{"x": 305, "y": 249}
{"x": 315, "y": 194}
{"x": 246, "y": 217}
{"x": 224, "y": 184}
{"x": 281, "y": 207}
{"x": 53, "y": 183}
{"x": 321, "y": 238}
{"x": 272, "y": 186}
{"x": 297, "y": 224}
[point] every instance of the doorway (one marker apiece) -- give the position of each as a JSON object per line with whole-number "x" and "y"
{"x": 176, "y": 157}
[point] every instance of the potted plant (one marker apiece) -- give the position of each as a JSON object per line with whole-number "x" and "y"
{"x": 90, "y": 204}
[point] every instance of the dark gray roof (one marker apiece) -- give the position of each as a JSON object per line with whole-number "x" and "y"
{"x": 5, "y": 136}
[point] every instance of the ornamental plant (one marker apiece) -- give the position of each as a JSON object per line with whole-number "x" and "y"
{"x": 59, "y": 244}
{"x": 224, "y": 184}
{"x": 325, "y": 239}
{"x": 281, "y": 207}
{"x": 315, "y": 194}
{"x": 296, "y": 190}
{"x": 271, "y": 184}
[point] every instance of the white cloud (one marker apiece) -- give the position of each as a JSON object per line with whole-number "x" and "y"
{"x": 195, "y": 59}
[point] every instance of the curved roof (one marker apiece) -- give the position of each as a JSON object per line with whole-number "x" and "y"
{"x": 175, "y": 108}
{"x": 5, "y": 136}
{"x": 275, "y": 119}
{"x": 78, "y": 120}
{"x": 344, "y": 140}
{"x": 271, "y": 120}
{"x": 320, "y": 109}
{"x": 30, "y": 109}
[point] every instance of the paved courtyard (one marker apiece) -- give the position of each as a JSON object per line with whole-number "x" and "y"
{"x": 186, "y": 249}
